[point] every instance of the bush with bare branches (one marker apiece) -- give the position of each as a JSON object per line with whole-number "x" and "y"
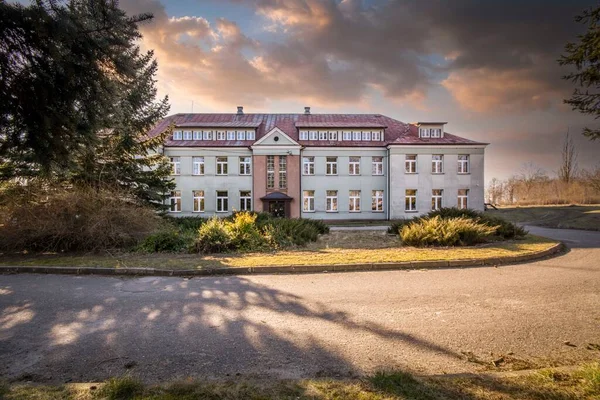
{"x": 33, "y": 217}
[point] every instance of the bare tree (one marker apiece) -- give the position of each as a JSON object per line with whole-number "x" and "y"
{"x": 568, "y": 167}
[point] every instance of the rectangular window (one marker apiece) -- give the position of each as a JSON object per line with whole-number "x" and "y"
{"x": 354, "y": 166}
{"x": 314, "y": 135}
{"x": 198, "y": 165}
{"x": 282, "y": 172}
{"x": 331, "y": 201}
{"x": 366, "y": 136}
{"x": 308, "y": 201}
{"x": 356, "y": 135}
{"x": 436, "y": 133}
{"x": 222, "y": 201}
{"x": 245, "y": 163}
{"x": 187, "y": 135}
{"x": 175, "y": 165}
{"x": 354, "y": 205}
{"x": 241, "y": 135}
{"x": 230, "y": 135}
{"x": 175, "y": 201}
{"x": 198, "y": 196}
{"x": 463, "y": 163}
{"x": 197, "y": 135}
{"x": 331, "y": 165}
{"x": 308, "y": 165}
{"x": 333, "y": 135}
{"x": 463, "y": 198}
{"x": 410, "y": 164}
{"x": 177, "y": 135}
{"x": 377, "y": 135}
{"x": 221, "y": 135}
{"x": 410, "y": 200}
{"x": 377, "y": 166}
{"x": 221, "y": 165}
{"x": 322, "y": 135}
{"x": 437, "y": 164}
{"x": 377, "y": 200}
{"x": 347, "y": 135}
{"x": 303, "y": 135}
{"x": 250, "y": 135}
{"x": 270, "y": 172}
{"x": 436, "y": 199}
{"x": 424, "y": 132}
{"x": 245, "y": 200}
{"x": 207, "y": 135}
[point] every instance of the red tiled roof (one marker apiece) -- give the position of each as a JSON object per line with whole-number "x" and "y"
{"x": 345, "y": 124}
{"x": 396, "y": 132}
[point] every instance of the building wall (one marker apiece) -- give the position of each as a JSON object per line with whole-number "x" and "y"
{"x": 233, "y": 182}
{"x": 450, "y": 181}
{"x": 394, "y": 176}
{"x": 343, "y": 182}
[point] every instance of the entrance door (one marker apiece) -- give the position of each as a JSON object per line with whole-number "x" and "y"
{"x": 277, "y": 208}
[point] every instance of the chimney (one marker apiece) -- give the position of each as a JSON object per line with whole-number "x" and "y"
{"x": 306, "y": 110}
{"x": 240, "y": 110}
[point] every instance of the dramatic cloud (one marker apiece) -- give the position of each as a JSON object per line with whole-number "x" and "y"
{"x": 491, "y": 56}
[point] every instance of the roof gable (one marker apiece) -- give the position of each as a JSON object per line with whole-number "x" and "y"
{"x": 276, "y": 137}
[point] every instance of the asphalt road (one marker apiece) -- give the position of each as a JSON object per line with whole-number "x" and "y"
{"x": 85, "y": 328}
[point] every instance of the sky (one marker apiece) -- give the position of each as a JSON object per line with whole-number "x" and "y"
{"x": 486, "y": 67}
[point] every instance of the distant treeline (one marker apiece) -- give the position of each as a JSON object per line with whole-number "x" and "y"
{"x": 535, "y": 187}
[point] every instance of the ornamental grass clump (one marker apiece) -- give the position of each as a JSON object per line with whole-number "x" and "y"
{"x": 504, "y": 229}
{"x": 438, "y": 231}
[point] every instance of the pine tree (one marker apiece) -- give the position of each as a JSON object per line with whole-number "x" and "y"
{"x": 77, "y": 97}
{"x": 585, "y": 57}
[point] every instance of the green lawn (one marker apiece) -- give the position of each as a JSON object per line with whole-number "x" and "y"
{"x": 338, "y": 247}
{"x": 583, "y": 383}
{"x": 569, "y": 217}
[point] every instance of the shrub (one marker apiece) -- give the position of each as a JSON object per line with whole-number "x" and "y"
{"x": 244, "y": 232}
{"x": 261, "y": 217}
{"x": 213, "y": 237}
{"x": 505, "y": 229}
{"x": 437, "y": 231}
{"x": 397, "y": 225}
{"x": 285, "y": 232}
{"x": 58, "y": 219}
{"x": 165, "y": 241}
{"x": 191, "y": 224}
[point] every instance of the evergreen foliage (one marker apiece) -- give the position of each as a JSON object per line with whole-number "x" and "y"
{"x": 77, "y": 97}
{"x": 584, "y": 56}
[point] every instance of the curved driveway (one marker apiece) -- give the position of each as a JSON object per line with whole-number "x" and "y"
{"x": 82, "y": 328}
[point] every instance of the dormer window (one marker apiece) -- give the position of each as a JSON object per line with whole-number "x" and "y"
{"x": 250, "y": 135}
{"x": 356, "y": 135}
{"x": 431, "y": 129}
{"x": 314, "y": 135}
{"x": 187, "y": 135}
{"x": 303, "y": 135}
{"x": 241, "y": 135}
{"x": 197, "y": 135}
{"x": 230, "y": 135}
{"x": 177, "y": 135}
